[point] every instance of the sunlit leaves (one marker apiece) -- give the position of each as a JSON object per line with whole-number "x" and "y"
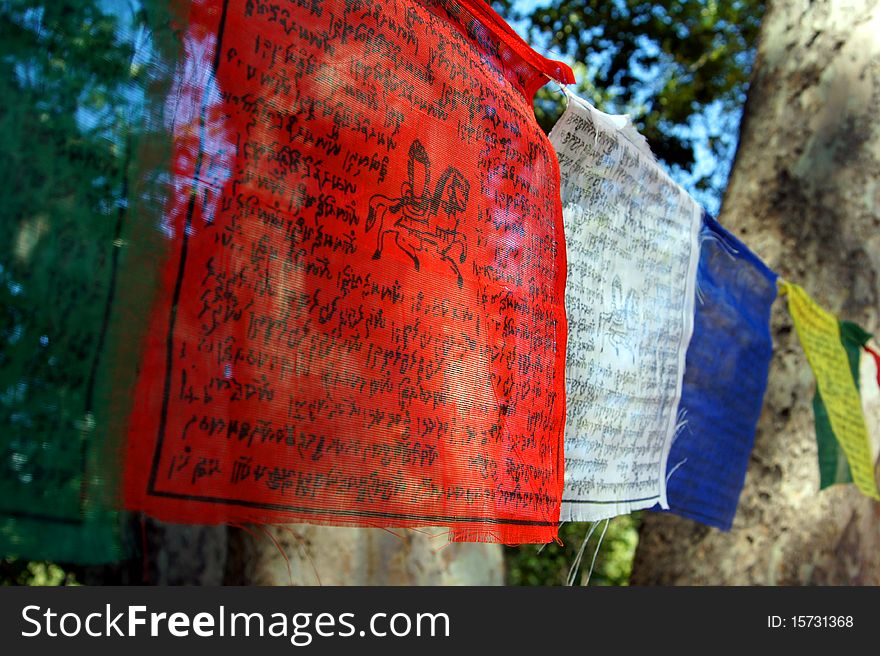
{"x": 664, "y": 63}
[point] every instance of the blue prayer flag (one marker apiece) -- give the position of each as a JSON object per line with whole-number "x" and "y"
{"x": 724, "y": 381}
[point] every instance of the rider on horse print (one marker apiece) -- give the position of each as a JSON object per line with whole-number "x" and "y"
{"x": 423, "y": 220}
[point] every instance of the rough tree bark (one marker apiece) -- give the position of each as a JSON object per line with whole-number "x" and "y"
{"x": 323, "y": 555}
{"x": 297, "y": 554}
{"x": 805, "y": 194}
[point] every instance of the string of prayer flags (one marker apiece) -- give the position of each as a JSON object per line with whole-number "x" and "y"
{"x": 822, "y": 339}
{"x": 725, "y": 378}
{"x": 632, "y": 244}
{"x": 361, "y": 318}
{"x": 367, "y": 290}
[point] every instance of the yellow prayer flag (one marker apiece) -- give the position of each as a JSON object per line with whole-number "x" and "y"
{"x": 819, "y": 332}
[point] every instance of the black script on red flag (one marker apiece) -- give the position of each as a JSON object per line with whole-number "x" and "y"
{"x": 361, "y": 317}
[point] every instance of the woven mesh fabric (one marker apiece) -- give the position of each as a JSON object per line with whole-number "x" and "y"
{"x": 360, "y": 318}
{"x": 724, "y": 381}
{"x": 833, "y": 466}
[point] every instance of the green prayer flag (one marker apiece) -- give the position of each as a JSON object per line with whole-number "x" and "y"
{"x": 78, "y": 80}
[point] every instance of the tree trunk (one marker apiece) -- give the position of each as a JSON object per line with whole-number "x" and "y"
{"x": 805, "y": 195}
{"x": 164, "y": 554}
{"x": 298, "y": 554}
{"x": 322, "y": 555}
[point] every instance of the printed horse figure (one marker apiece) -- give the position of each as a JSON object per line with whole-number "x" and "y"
{"x": 422, "y": 220}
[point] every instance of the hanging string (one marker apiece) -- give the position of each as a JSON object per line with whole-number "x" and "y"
{"x": 596, "y": 553}
{"x": 572, "y": 572}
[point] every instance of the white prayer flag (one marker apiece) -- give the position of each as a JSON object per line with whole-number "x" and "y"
{"x": 632, "y": 238}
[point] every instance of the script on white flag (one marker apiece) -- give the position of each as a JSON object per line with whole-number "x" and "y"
{"x": 632, "y": 239}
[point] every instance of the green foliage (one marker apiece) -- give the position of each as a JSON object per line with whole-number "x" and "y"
{"x": 665, "y": 63}
{"x": 550, "y": 564}
{"x": 23, "y": 572}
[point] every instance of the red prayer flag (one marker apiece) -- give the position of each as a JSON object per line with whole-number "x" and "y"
{"x": 876, "y": 360}
{"x": 360, "y": 318}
